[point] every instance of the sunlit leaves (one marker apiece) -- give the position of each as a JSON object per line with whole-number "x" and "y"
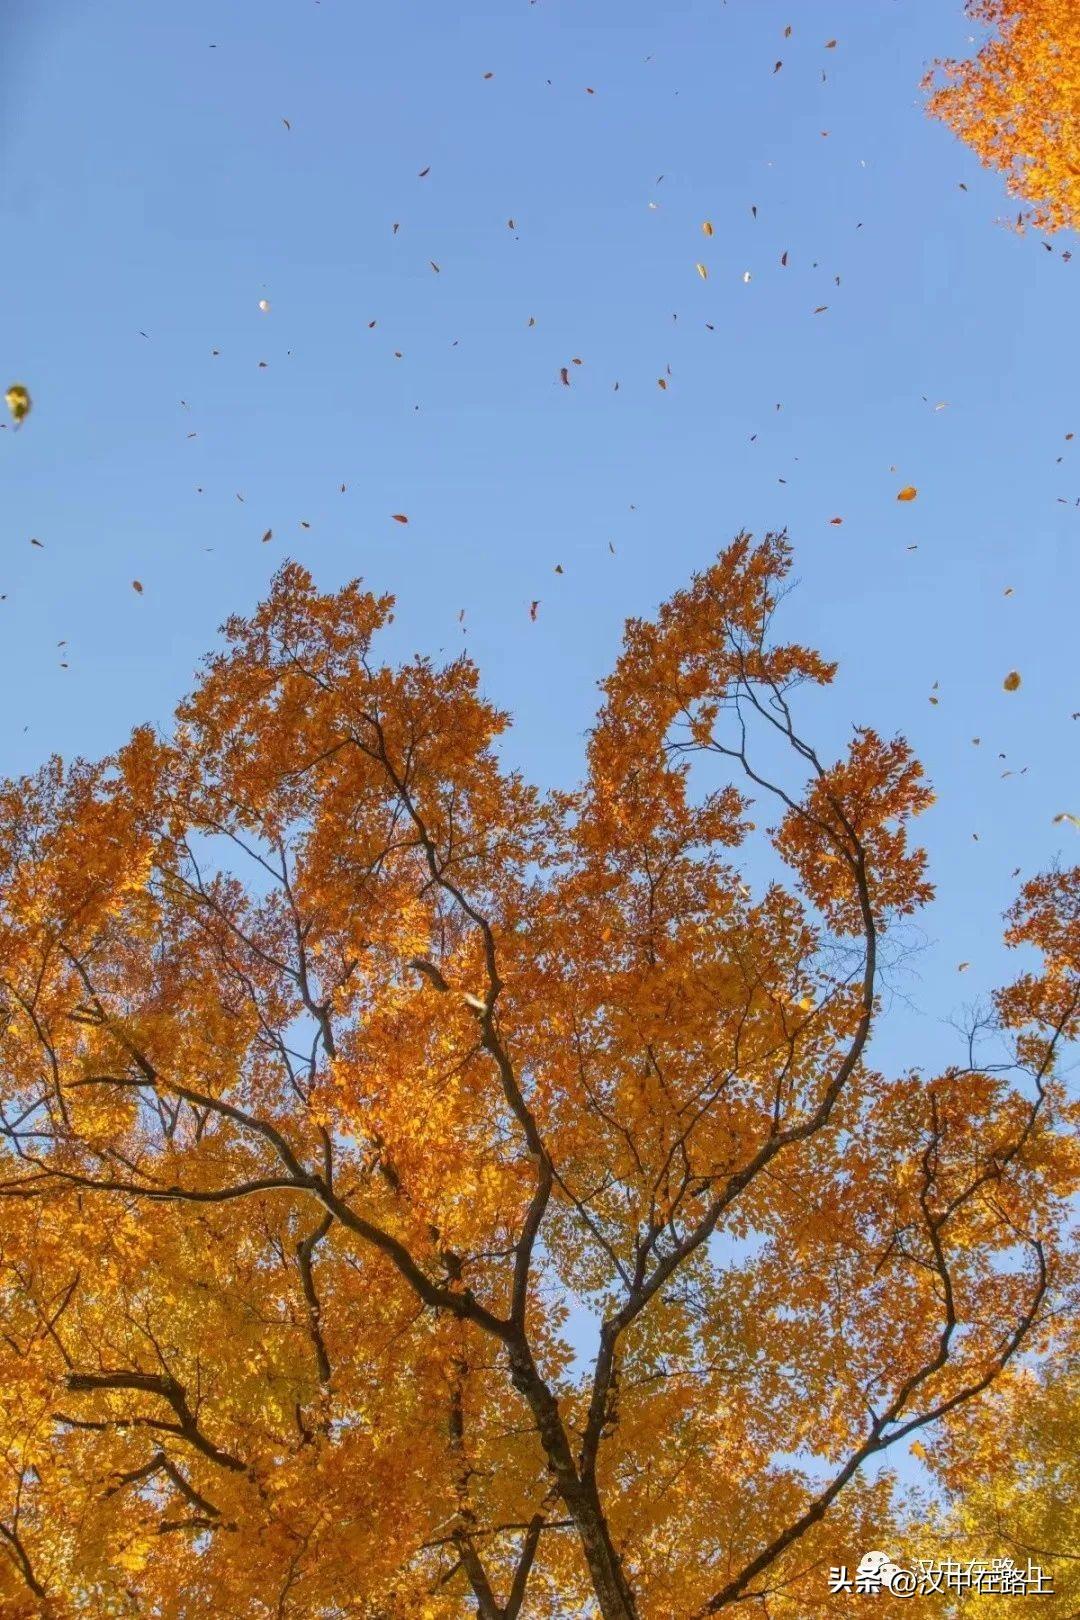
{"x": 1015, "y": 103}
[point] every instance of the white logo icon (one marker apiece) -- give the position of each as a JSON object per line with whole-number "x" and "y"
{"x": 876, "y": 1570}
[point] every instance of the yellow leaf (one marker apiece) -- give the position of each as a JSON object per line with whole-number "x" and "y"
{"x": 908, "y": 493}
{"x": 702, "y": 272}
{"x": 1011, "y": 683}
{"x": 707, "y": 228}
{"x": 18, "y": 401}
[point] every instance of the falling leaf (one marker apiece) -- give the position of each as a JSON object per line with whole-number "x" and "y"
{"x": 264, "y": 305}
{"x": 18, "y": 402}
{"x": 304, "y": 524}
{"x": 1011, "y": 683}
{"x": 533, "y": 607}
{"x": 777, "y": 67}
{"x": 564, "y": 373}
{"x": 489, "y": 75}
{"x": 1065, "y": 816}
{"x": 424, "y": 172}
{"x": 1008, "y": 591}
{"x": 285, "y": 121}
{"x": 707, "y": 228}
{"x": 434, "y": 266}
{"x": 136, "y": 586}
{"x": 962, "y": 967}
{"x": 836, "y": 521}
{"x": 269, "y": 535}
{"x": 40, "y": 544}
{"x": 787, "y": 31}
{"x": 830, "y": 45}
{"x": 532, "y": 320}
{"x": 908, "y": 493}
{"x": 399, "y": 517}
{"x": 558, "y": 568}
{"x": 746, "y": 275}
{"x": 821, "y": 309}
{"x": 702, "y": 272}
{"x": 661, "y": 382}
{"x": 783, "y": 258}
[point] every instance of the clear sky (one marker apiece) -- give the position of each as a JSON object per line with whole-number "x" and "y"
{"x": 149, "y": 185}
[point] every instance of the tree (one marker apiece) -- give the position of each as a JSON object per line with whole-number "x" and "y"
{"x": 340, "y": 1064}
{"x": 1014, "y": 1474}
{"x": 1017, "y": 103}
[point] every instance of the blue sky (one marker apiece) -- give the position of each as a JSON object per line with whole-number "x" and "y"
{"x": 148, "y": 184}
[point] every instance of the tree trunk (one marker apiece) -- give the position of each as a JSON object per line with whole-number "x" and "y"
{"x": 609, "y": 1583}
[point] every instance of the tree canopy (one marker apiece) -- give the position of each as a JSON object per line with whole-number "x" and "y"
{"x": 1017, "y": 103}
{"x": 351, "y": 1084}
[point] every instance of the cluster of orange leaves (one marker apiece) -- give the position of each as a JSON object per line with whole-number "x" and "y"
{"x": 1017, "y": 103}
{"x": 338, "y": 1064}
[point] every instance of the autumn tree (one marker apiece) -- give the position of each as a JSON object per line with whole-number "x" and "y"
{"x": 1012, "y": 1471}
{"x": 1017, "y": 103}
{"x": 340, "y": 1065}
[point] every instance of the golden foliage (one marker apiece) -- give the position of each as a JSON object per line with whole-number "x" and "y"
{"x": 1017, "y": 103}
{"x": 338, "y": 1064}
